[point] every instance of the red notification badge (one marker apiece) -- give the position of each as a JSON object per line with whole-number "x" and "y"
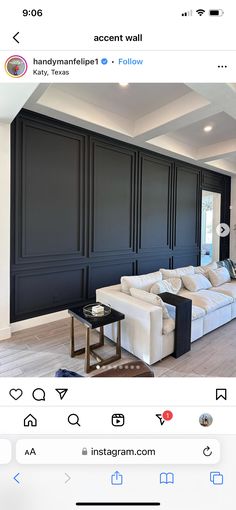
{"x": 167, "y": 415}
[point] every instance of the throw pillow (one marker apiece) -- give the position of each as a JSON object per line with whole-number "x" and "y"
{"x": 175, "y": 273}
{"x": 143, "y": 281}
{"x": 148, "y": 297}
{"x": 204, "y": 269}
{"x": 172, "y": 285}
{"x": 196, "y": 282}
{"x": 230, "y": 265}
{"x": 219, "y": 276}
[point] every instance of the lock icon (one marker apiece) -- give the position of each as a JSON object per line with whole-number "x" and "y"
{"x": 84, "y": 451}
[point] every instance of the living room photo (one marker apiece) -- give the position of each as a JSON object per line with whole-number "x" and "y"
{"x": 118, "y": 230}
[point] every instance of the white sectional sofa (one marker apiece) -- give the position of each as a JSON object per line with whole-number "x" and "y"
{"x": 149, "y": 336}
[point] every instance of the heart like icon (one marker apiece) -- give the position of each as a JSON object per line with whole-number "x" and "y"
{"x": 16, "y": 393}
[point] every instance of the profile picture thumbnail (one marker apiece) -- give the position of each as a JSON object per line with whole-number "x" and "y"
{"x": 205, "y": 420}
{"x": 16, "y": 66}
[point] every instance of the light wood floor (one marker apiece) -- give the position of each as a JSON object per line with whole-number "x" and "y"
{"x": 42, "y": 350}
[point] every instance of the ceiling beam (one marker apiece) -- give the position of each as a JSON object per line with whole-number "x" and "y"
{"x": 174, "y": 146}
{"x": 221, "y": 94}
{"x": 176, "y": 115}
{"x": 223, "y": 164}
{"x": 217, "y": 151}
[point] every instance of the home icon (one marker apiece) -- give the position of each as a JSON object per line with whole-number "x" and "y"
{"x": 30, "y": 421}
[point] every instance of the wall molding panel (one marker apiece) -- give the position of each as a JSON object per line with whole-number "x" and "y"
{"x": 86, "y": 209}
{"x": 112, "y": 199}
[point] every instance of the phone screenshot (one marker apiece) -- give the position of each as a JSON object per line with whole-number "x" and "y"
{"x": 117, "y": 255}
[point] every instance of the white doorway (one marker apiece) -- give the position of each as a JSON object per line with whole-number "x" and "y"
{"x": 210, "y": 241}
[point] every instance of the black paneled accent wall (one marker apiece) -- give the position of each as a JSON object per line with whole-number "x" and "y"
{"x": 87, "y": 209}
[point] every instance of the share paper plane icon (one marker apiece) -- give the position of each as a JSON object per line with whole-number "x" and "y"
{"x": 61, "y": 392}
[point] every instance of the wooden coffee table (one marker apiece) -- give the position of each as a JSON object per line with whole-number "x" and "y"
{"x": 95, "y": 323}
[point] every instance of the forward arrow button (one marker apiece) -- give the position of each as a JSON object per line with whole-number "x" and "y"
{"x": 68, "y": 478}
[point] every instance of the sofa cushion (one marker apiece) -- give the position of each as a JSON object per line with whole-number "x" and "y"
{"x": 148, "y": 297}
{"x": 230, "y": 265}
{"x": 175, "y": 273}
{"x": 143, "y": 281}
{"x": 219, "y": 276}
{"x": 172, "y": 285}
{"x": 229, "y": 289}
{"x": 197, "y": 312}
{"x": 207, "y": 299}
{"x": 204, "y": 269}
{"x": 196, "y": 282}
{"x": 168, "y": 326}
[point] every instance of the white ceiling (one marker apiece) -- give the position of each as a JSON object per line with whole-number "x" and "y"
{"x": 223, "y": 129}
{"x": 166, "y": 118}
{"x": 232, "y": 157}
{"x": 12, "y": 98}
{"x": 130, "y": 102}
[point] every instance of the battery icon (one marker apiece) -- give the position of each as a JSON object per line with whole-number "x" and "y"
{"x": 216, "y": 12}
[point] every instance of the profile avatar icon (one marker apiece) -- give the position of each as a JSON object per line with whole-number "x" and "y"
{"x": 16, "y": 70}
{"x": 205, "y": 420}
{"x": 16, "y": 66}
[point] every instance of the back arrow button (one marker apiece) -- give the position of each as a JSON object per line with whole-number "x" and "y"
{"x": 16, "y": 478}
{"x": 15, "y": 37}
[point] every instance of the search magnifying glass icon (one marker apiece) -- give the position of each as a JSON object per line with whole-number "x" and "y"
{"x": 73, "y": 419}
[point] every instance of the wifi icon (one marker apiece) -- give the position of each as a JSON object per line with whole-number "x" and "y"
{"x": 200, "y": 12}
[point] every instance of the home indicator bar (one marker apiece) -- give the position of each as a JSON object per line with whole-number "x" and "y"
{"x": 118, "y": 504}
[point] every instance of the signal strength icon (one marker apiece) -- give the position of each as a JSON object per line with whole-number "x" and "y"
{"x": 200, "y": 12}
{"x": 187, "y": 13}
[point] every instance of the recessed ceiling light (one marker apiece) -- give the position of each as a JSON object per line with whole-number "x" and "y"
{"x": 207, "y": 129}
{"x": 123, "y": 84}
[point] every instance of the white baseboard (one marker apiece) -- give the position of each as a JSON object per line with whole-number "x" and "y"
{"x": 38, "y": 321}
{"x": 5, "y": 333}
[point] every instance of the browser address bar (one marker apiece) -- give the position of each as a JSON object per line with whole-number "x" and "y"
{"x": 118, "y": 451}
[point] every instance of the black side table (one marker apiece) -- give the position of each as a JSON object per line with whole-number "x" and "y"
{"x": 183, "y": 322}
{"x": 94, "y": 323}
